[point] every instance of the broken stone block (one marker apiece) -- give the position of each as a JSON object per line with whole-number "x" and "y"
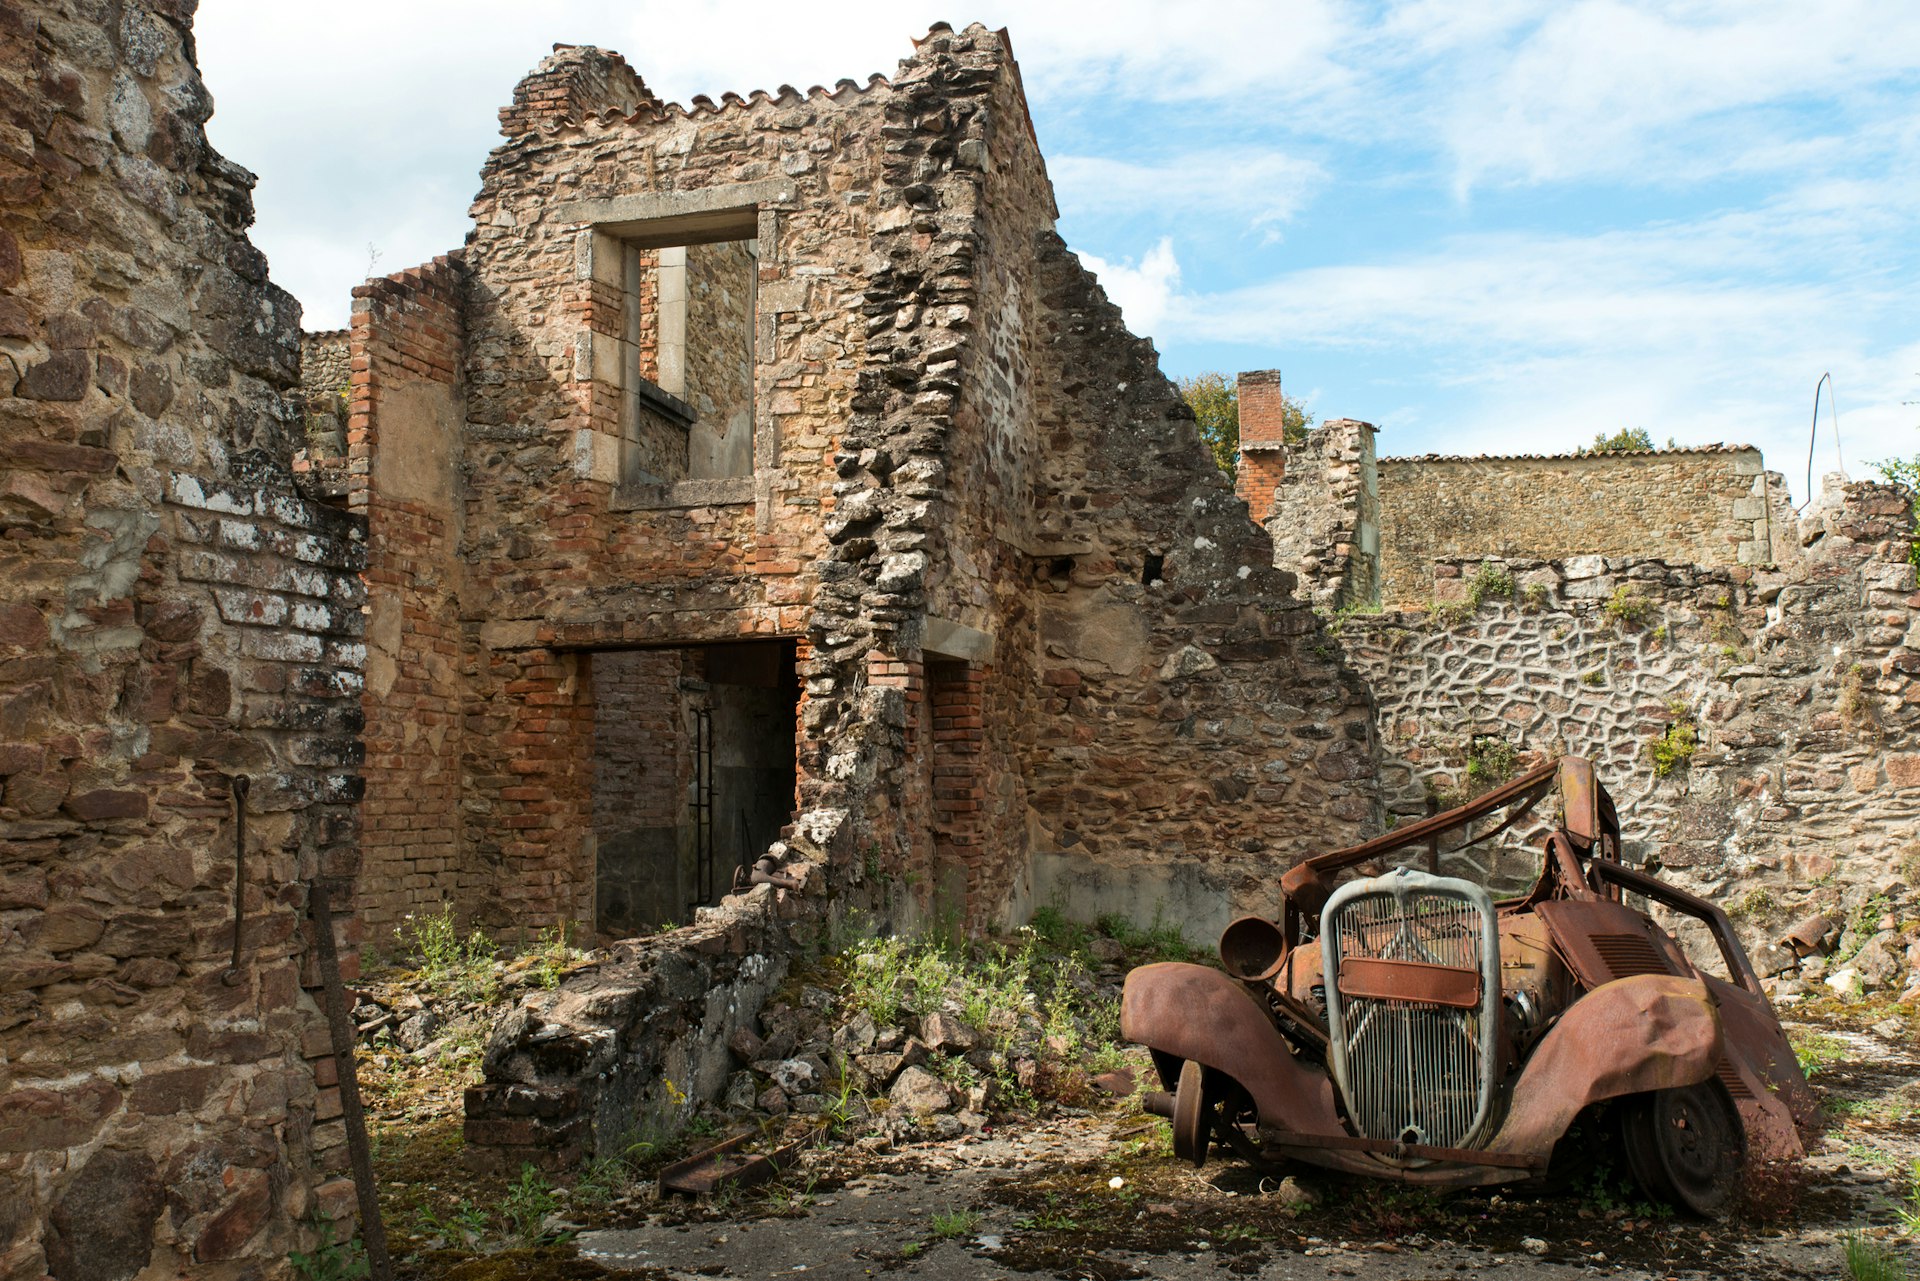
{"x": 773, "y": 1101}
{"x": 740, "y": 1094}
{"x": 798, "y": 1076}
{"x": 855, "y": 1036}
{"x": 1846, "y": 982}
{"x": 1295, "y": 1195}
{"x": 1878, "y": 963}
{"x": 415, "y": 1032}
{"x": 880, "y": 1069}
{"x": 948, "y": 1034}
{"x": 888, "y": 1039}
{"x": 919, "y": 1091}
{"x": 747, "y": 1045}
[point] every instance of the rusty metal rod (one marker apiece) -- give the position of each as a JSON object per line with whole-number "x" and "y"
{"x": 241, "y": 785}
{"x": 359, "y": 1155}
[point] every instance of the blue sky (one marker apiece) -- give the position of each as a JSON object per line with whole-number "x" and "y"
{"x": 1484, "y": 225}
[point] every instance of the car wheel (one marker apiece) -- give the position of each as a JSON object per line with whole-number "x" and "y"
{"x": 1686, "y": 1146}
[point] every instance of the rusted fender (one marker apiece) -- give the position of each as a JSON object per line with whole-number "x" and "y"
{"x": 1193, "y": 1012}
{"x": 1645, "y": 1032}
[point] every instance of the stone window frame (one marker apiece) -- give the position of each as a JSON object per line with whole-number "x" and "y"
{"x": 611, "y": 231}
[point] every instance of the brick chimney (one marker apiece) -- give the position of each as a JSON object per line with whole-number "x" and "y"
{"x": 1263, "y": 441}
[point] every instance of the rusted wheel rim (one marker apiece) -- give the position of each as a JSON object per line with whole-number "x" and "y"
{"x": 1192, "y": 1119}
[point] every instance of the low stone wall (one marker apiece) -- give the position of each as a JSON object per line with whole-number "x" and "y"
{"x": 1706, "y": 506}
{"x": 628, "y": 1048}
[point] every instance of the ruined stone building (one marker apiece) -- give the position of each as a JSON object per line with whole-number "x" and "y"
{"x": 769, "y": 466}
{"x": 762, "y": 483}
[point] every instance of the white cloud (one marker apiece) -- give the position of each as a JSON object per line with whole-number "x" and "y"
{"x": 1261, "y": 188}
{"x": 1142, "y": 291}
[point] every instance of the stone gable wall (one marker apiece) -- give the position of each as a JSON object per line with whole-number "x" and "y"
{"x": 1706, "y": 507}
{"x": 1803, "y": 793}
{"x": 173, "y": 614}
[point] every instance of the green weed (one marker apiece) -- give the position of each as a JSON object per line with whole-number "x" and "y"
{"x": 1871, "y": 1260}
{"x": 1627, "y": 609}
{"x": 1816, "y": 1050}
{"x": 947, "y": 1224}
{"x": 450, "y": 965}
{"x": 526, "y": 1206}
{"x": 1489, "y": 582}
{"x": 1673, "y": 747}
{"x": 330, "y": 1260}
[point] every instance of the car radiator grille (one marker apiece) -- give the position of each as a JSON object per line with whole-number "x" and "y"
{"x": 1408, "y": 1069}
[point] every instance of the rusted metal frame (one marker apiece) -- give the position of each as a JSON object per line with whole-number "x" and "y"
{"x": 1735, "y": 956}
{"x": 373, "y": 1232}
{"x": 1573, "y": 877}
{"x": 1534, "y": 781}
{"x": 1416, "y": 1151}
{"x": 1413, "y": 981}
{"x": 722, "y": 1165}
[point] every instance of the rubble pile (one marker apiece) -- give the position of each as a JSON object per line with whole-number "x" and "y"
{"x": 1866, "y": 946}
{"x": 896, "y": 1042}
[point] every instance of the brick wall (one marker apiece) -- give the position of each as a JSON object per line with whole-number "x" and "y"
{"x": 1263, "y": 441}
{"x": 172, "y": 615}
{"x": 1709, "y": 506}
{"x": 406, "y": 361}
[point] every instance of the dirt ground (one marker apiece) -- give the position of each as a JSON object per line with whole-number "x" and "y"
{"x": 1094, "y": 1193}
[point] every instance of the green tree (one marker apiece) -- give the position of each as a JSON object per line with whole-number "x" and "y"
{"x": 1627, "y": 438}
{"x": 1904, "y": 471}
{"x": 1215, "y": 401}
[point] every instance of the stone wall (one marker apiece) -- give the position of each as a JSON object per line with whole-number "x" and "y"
{"x": 719, "y": 341}
{"x": 1326, "y": 515}
{"x": 1803, "y": 792}
{"x": 1705, "y": 506}
{"x": 174, "y": 616}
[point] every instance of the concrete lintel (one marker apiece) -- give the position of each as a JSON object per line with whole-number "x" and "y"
{"x": 956, "y": 640}
{"x": 703, "y": 216}
{"x": 1263, "y": 446}
{"x": 664, "y": 402}
{"x": 718, "y": 491}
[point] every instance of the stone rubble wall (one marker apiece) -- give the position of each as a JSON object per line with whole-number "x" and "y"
{"x": 1803, "y": 794}
{"x": 720, "y": 288}
{"x": 1326, "y": 515}
{"x": 173, "y": 614}
{"x": 324, "y": 375}
{"x": 1707, "y": 506}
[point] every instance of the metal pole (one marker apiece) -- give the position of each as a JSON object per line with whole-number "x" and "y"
{"x": 241, "y": 785}
{"x": 359, "y": 1155}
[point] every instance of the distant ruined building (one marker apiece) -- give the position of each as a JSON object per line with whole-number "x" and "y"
{"x": 762, "y": 491}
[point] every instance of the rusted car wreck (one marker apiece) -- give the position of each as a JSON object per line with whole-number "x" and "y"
{"x": 1407, "y": 1026}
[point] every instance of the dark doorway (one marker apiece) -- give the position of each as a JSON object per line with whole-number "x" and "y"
{"x": 693, "y": 774}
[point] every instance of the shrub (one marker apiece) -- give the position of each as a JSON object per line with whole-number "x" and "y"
{"x": 1674, "y": 746}
{"x": 1489, "y": 582}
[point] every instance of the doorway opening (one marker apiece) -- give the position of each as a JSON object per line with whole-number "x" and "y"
{"x": 693, "y": 774}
